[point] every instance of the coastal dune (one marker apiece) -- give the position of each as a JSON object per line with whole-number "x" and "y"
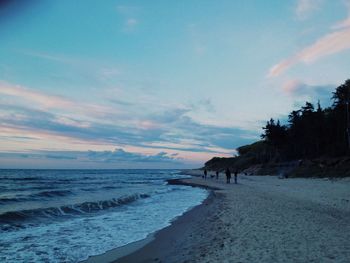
{"x": 261, "y": 219}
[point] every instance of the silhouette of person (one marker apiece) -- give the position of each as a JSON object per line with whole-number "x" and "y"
{"x": 236, "y": 173}
{"x": 205, "y": 173}
{"x": 228, "y": 176}
{"x": 217, "y": 175}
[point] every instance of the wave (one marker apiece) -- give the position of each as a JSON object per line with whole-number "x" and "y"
{"x": 4, "y": 200}
{"x": 143, "y": 182}
{"x": 54, "y": 193}
{"x": 85, "y": 208}
{"x": 22, "y": 178}
{"x": 48, "y": 193}
{"x": 110, "y": 187}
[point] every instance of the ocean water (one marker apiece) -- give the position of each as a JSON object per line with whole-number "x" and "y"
{"x": 68, "y": 215}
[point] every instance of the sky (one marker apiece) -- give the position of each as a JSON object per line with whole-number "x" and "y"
{"x": 159, "y": 84}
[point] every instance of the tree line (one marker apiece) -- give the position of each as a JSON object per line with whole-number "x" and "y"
{"x": 311, "y": 131}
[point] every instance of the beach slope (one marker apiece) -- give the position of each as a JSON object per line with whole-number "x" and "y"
{"x": 261, "y": 219}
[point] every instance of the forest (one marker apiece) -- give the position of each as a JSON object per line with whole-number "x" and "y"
{"x": 313, "y": 141}
{"x": 312, "y": 131}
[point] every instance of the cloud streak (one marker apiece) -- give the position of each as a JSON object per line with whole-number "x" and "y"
{"x": 346, "y": 22}
{"x": 44, "y": 101}
{"x": 114, "y": 158}
{"x": 48, "y": 117}
{"x": 47, "y": 101}
{"x": 329, "y": 44}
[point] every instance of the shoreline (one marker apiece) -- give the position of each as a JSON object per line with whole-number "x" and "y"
{"x": 133, "y": 251}
{"x": 261, "y": 219}
{"x": 159, "y": 248}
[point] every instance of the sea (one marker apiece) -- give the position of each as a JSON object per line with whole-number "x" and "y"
{"x": 69, "y": 215}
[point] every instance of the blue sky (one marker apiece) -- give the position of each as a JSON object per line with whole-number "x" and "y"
{"x": 159, "y": 84}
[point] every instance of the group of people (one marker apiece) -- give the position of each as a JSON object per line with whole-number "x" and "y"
{"x": 227, "y": 173}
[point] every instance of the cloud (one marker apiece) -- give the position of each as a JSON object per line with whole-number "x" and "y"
{"x": 45, "y": 101}
{"x": 115, "y": 156}
{"x": 305, "y": 7}
{"x": 35, "y": 120}
{"x": 210, "y": 135}
{"x": 120, "y": 155}
{"x": 346, "y": 22}
{"x": 170, "y": 116}
{"x": 303, "y": 91}
{"x": 329, "y": 44}
{"x": 66, "y": 124}
{"x": 170, "y": 127}
{"x": 91, "y": 70}
{"x": 120, "y": 102}
{"x": 48, "y": 56}
{"x": 129, "y": 13}
{"x": 48, "y": 101}
{"x": 342, "y": 24}
{"x": 130, "y": 24}
{"x": 204, "y": 104}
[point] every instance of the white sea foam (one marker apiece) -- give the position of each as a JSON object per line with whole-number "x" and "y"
{"x": 77, "y": 238}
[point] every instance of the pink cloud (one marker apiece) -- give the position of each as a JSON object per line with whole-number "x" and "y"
{"x": 329, "y": 44}
{"x": 149, "y": 125}
{"x": 342, "y": 24}
{"x": 346, "y": 22}
{"x": 291, "y": 86}
{"x": 47, "y": 101}
{"x": 279, "y": 68}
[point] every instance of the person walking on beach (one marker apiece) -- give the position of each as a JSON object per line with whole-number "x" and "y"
{"x": 217, "y": 175}
{"x": 236, "y": 173}
{"x": 205, "y": 173}
{"x": 228, "y": 176}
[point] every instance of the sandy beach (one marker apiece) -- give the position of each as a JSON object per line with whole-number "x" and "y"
{"x": 261, "y": 219}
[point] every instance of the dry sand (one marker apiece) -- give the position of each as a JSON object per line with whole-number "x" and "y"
{"x": 261, "y": 219}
